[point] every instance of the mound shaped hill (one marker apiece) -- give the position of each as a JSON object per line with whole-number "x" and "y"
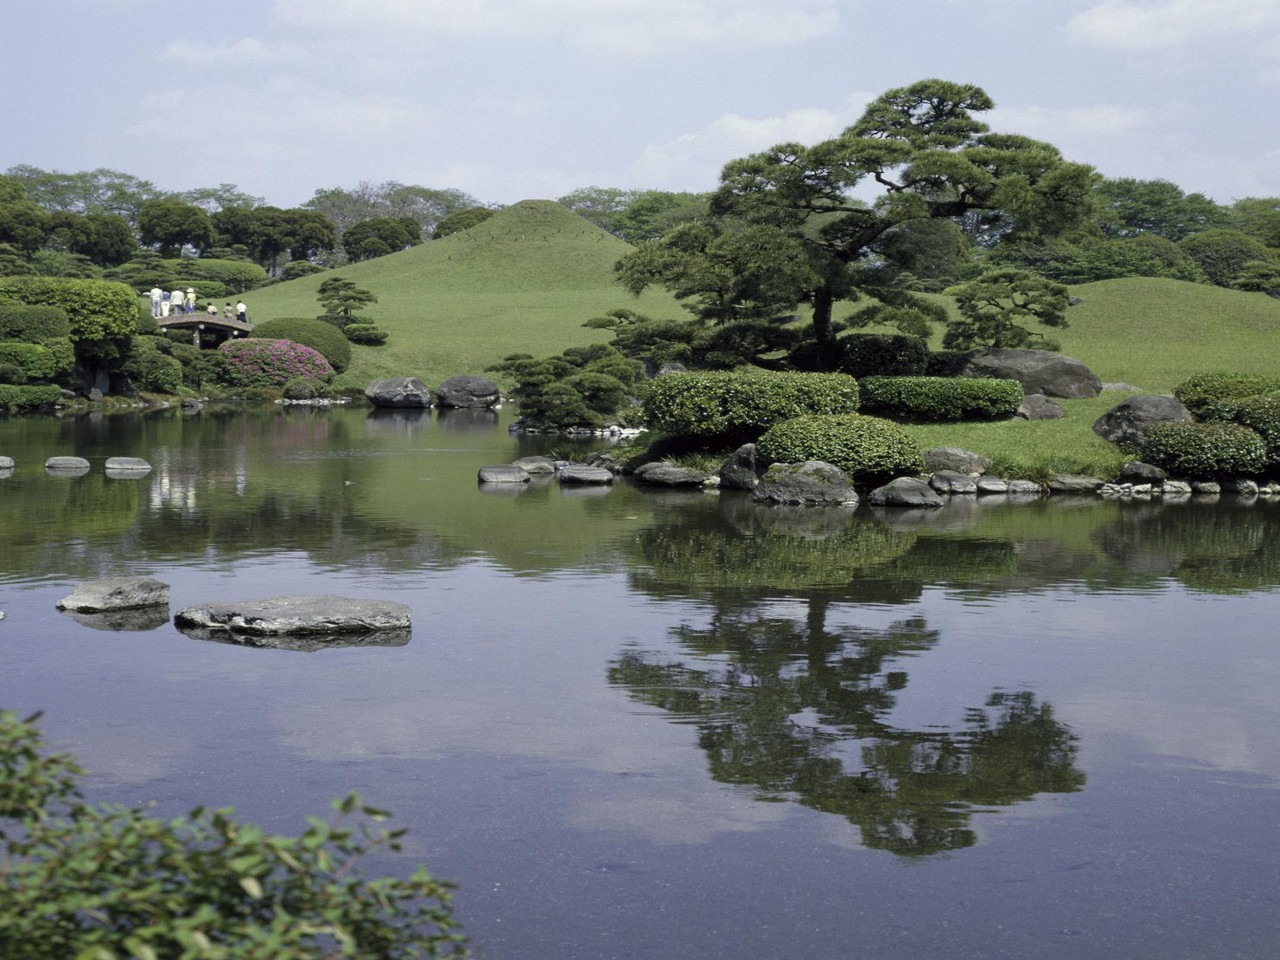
{"x": 523, "y": 281}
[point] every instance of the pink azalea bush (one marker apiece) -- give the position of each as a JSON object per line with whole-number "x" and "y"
{"x": 271, "y": 363}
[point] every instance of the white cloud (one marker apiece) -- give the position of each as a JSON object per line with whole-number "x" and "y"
{"x": 1124, "y": 24}
{"x": 617, "y": 28}
{"x": 693, "y": 160}
{"x": 245, "y": 50}
{"x": 1099, "y": 121}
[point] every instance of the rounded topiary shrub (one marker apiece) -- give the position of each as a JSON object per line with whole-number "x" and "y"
{"x": 35, "y": 395}
{"x": 869, "y": 449}
{"x": 883, "y": 354}
{"x": 1205, "y": 450}
{"x": 743, "y": 404}
{"x": 1215, "y": 396}
{"x": 36, "y": 362}
{"x": 1262, "y": 416}
{"x": 270, "y": 363}
{"x": 316, "y": 334}
{"x": 307, "y": 388}
{"x": 34, "y": 323}
{"x": 365, "y": 334}
{"x": 941, "y": 399}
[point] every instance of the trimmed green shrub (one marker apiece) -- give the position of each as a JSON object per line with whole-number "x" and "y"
{"x": 1262, "y": 416}
{"x": 10, "y": 373}
{"x": 869, "y": 449}
{"x": 95, "y": 309}
{"x": 236, "y": 276}
{"x": 339, "y": 320}
{"x": 33, "y": 323}
{"x": 940, "y": 399}
{"x": 148, "y": 368}
{"x": 315, "y": 334}
{"x": 743, "y": 404}
{"x": 1216, "y": 396}
{"x": 35, "y": 361}
{"x": 1205, "y": 450}
{"x": 883, "y": 354}
{"x": 366, "y": 334}
{"x": 307, "y": 388}
{"x": 207, "y": 290}
{"x": 36, "y": 395}
{"x": 270, "y": 363}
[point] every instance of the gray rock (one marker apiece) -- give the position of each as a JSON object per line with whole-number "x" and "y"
{"x": 1036, "y": 406}
{"x": 738, "y": 472}
{"x": 659, "y": 474}
{"x": 1240, "y": 485}
{"x": 67, "y": 466}
{"x": 127, "y": 465}
{"x": 953, "y": 458}
{"x": 468, "y": 391}
{"x": 1073, "y": 483}
{"x": 398, "y": 392}
{"x": 1132, "y": 470}
{"x": 296, "y": 616}
{"x": 952, "y": 482}
{"x": 905, "y": 492}
{"x": 1171, "y": 489}
{"x": 810, "y": 482}
{"x": 1025, "y": 488}
{"x": 992, "y": 485}
{"x": 503, "y": 473}
{"x": 580, "y": 473}
{"x": 6, "y": 463}
{"x": 536, "y": 466}
{"x": 1126, "y": 387}
{"x": 1207, "y": 487}
{"x": 1039, "y": 371}
{"x": 1128, "y": 422}
{"x": 116, "y": 593}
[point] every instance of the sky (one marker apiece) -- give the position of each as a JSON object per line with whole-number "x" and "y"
{"x": 516, "y": 99}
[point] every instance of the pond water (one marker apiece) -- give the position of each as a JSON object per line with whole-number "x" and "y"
{"x": 648, "y": 724}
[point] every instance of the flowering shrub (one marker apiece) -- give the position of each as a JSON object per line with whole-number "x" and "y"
{"x": 271, "y": 363}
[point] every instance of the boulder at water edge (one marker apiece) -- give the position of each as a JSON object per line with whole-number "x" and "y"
{"x": 738, "y": 472}
{"x": 580, "y": 473}
{"x": 467, "y": 391}
{"x": 904, "y": 492}
{"x": 503, "y": 473}
{"x": 116, "y": 593}
{"x": 954, "y": 458}
{"x": 811, "y": 482}
{"x": 398, "y": 392}
{"x": 658, "y": 474}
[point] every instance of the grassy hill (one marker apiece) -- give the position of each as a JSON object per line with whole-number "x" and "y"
{"x": 523, "y": 281}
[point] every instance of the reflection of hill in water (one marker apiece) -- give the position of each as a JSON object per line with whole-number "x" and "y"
{"x": 800, "y": 712}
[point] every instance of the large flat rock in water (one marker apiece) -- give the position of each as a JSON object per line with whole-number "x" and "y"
{"x": 297, "y": 616}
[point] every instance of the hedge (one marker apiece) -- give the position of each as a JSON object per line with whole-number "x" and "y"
{"x": 941, "y": 399}
{"x": 883, "y": 354}
{"x": 236, "y": 275}
{"x": 315, "y": 334}
{"x": 1215, "y": 396}
{"x": 148, "y": 367}
{"x": 271, "y": 363}
{"x": 869, "y": 449}
{"x": 1262, "y": 416}
{"x": 38, "y": 395}
{"x": 1205, "y": 450}
{"x": 96, "y": 309}
{"x": 36, "y": 361}
{"x": 743, "y": 404}
{"x": 33, "y": 323}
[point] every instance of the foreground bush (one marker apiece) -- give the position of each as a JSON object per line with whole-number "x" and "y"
{"x": 584, "y": 386}
{"x": 270, "y": 363}
{"x": 33, "y": 323}
{"x": 1215, "y": 396}
{"x": 941, "y": 399}
{"x": 1262, "y": 416}
{"x": 315, "y": 334}
{"x": 104, "y": 882}
{"x": 745, "y": 404}
{"x": 869, "y": 449}
{"x": 1205, "y": 450}
{"x": 307, "y": 388}
{"x": 38, "y": 361}
{"x": 150, "y": 366}
{"x": 36, "y": 395}
{"x": 95, "y": 309}
{"x": 365, "y": 334}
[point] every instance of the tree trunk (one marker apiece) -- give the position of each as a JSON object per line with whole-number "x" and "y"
{"x": 828, "y": 352}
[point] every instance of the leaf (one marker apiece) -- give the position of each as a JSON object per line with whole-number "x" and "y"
{"x": 252, "y": 887}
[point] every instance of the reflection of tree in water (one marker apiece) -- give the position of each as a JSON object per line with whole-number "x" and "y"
{"x": 783, "y": 711}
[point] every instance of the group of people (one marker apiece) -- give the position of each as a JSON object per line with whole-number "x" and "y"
{"x": 165, "y": 303}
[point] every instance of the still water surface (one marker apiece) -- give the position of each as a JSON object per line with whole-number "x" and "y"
{"x": 642, "y": 724}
